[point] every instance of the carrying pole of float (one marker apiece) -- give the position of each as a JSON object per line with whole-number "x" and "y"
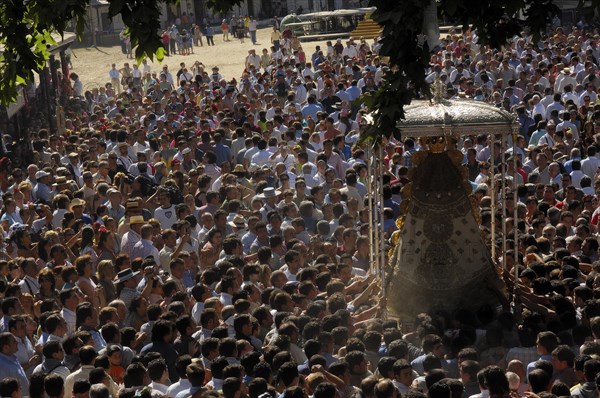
{"x": 493, "y": 204}
{"x": 515, "y": 209}
{"x": 503, "y": 198}
{"x": 380, "y": 227}
{"x": 373, "y": 186}
{"x": 370, "y": 208}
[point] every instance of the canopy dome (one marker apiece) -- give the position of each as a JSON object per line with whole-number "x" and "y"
{"x": 454, "y": 117}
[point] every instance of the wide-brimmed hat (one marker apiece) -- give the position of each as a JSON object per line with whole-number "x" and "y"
{"x": 132, "y": 205}
{"x": 558, "y": 156}
{"x": 238, "y": 221}
{"x": 77, "y": 202}
{"x": 61, "y": 180}
{"x": 125, "y": 275}
{"x": 268, "y": 193}
{"x": 136, "y": 220}
{"x": 239, "y": 168}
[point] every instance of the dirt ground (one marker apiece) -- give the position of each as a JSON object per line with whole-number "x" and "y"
{"x": 93, "y": 64}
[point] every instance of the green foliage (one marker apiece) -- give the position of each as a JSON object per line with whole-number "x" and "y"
{"x": 142, "y": 19}
{"x": 25, "y": 35}
{"x": 402, "y": 22}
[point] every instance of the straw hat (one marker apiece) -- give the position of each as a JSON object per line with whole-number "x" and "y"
{"x": 77, "y": 202}
{"x": 61, "y": 180}
{"x": 238, "y": 222}
{"x": 136, "y": 220}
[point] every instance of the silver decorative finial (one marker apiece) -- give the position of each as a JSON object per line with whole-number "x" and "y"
{"x": 438, "y": 89}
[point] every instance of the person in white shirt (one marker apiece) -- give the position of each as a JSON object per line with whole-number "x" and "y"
{"x": 123, "y": 155}
{"x": 301, "y": 92}
{"x": 569, "y": 95}
{"x": 145, "y": 66}
{"x": 165, "y": 213}
{"x": 283, "y": 155}
{"x": 344, "y": 123}
{"x": 350, "y": 50}
{"x": 131, "y": 237}
{"x": 307, "y": 71}
{"x": 69, "y": 300}
{"x": 262, "y": 157}
{"x": 538, "y": 107}
{"x": 548, "y": 137}
{"x": 292, "y": 265}
{"x": 29, "y": 283}
{"x": 564, "y": 79}
{"x": 589, "y": 165}
{"x": 26, "y": 352}
{"x": 566, "y": 124}
{"x": 555, "y": 105}
{"x": 588, "y": 92}
{"x": 459, "y": 72}
{"x": 168, "y": 75}
{"x": 403, "y": 376}
{"x": 185, "y": 76}
{"x": 114, "y": 76}
{"x": 159, "y": 374}
{"x": 145, "y": 247}
{"x": 576, "y": 174}
{"x": 88, "y": 355}
{"x": 253, "y": 59}
{"x": 53, "y": 360}
{"x": 136, "y": 74}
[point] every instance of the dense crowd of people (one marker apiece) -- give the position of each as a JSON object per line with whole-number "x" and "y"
{"x": 192, "y": 235}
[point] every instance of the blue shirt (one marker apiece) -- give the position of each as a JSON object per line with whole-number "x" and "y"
{"x": 354, "y": 92}
{"x": 392, "y": 205}
{"x": 99, "y": 342}
{"x": 10, "y": 367}
{"x": 311, "y": 110}
{"x": 525, "y": 122}
{"x": 188, "y": 392}
{"x": 535, "y": 137}
{"x": 531, "y": 365}
{"x": 247, "y": 241}
{"x": 41, "y": 192}
{"x": 569, "y": 164}
{"x": 223, "y": 153}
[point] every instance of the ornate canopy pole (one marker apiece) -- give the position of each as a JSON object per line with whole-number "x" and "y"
{"x": 374, "y": 187}
{"x": 515, "y": 134}
{"x": 503, "y": 198}
{"x": 380, "y": 228}
{"x": 493, "y": 203}
{"x": 370, "y": 208}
